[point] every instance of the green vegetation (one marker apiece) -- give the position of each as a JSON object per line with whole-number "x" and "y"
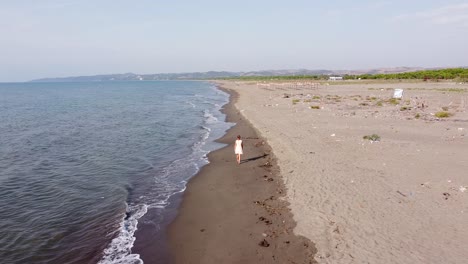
{"x": 314, "y": 107}
{"x": 278, "y": 78}
{"x": 404, "y": 108}
{"x": 315, "y": 97}
{"x": 295, "y": 101}
{"x": 442, "y": 74}
{"x": 379, "y": 103}
{"x": 459, "y": 74}
{"x": 450, "y": 90}
{"x": 307, "y": 100}
{"x": 443, "y": 114}
{"x": 394, "y": 101}
{"x": 373, "y": 137}
{"x": 417, "y": 116}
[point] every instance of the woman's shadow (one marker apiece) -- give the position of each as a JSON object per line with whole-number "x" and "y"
{"x": 255, "y": 158}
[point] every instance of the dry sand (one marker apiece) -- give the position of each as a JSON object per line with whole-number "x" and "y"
{"x": 399, "y": 200}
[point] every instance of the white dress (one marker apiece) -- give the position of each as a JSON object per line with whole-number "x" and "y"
{"x": 238, "y": 148}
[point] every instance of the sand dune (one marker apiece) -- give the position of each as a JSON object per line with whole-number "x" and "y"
{"x": 398, "y": 200}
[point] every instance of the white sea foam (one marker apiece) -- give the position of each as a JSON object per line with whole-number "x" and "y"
{"x": 209, "y": 117}
{"x": 119, "y": 250}
{"x": 174, "y": 179}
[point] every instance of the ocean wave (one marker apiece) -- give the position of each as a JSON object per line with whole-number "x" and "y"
{"x": 209, "y": 117}
{"x": 191, "y": 104}
{"x": 119, "y": 250}
{"x": 170, "y": 181}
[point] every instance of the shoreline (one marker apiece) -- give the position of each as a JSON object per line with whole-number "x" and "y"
{"x": 233, "y": 213}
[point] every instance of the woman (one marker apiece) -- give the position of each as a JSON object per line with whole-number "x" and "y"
{"x": 238, "y": 149}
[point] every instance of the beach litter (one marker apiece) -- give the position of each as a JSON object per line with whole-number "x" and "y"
{"x": 402, "y": 194}
{"x": 266, "y": 221}
{"x": 426, "y": 184}
{"x": 398, "y": 93}
{"x": 264, "y": 243}
{"x": 446, "y": 195}
{"x": 462, "y": 188}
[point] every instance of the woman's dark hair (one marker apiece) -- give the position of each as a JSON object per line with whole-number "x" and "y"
{"x": 238, "y": 137}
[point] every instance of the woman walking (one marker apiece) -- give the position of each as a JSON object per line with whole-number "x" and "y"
{"x": 238, "y": 149}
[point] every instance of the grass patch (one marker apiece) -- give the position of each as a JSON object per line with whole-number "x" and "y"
{"x": 405, "y": 108}
{"x": 314, "y": 107}
{"x": 364, "y": 104}
{"x": 373, "y": 137}
{"x": 315, "y": 97}
{"x": 443, "y": 114}
{"x": 452, "y": 90}
{"x": 394, "y": 101}
{"x": 417, "y": 116}
{"x": 295, "y": 101}
{"x": 379, "y": 103}
{"x": 307, "y": 100}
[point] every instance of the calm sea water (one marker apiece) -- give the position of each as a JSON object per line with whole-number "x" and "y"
{"x": 80, "y": 163}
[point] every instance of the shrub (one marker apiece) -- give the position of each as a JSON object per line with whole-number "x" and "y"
{"x": 417, "y": 116}
{"x": 373, "y": 137}
{"x": 314, "y": 107}
{"x": 316, "y": 97}
{"x": 394, "y": 101}
{"x": 379, "y": 103}
{"x": 404, "y": 108}
{"x": 295, "y": 101}
{"x": 443, "y": 114}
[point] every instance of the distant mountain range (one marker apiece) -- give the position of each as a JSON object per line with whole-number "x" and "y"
{"x": 224, "y": 74}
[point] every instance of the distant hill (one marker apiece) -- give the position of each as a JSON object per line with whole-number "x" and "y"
{"x": 224, "y": 74}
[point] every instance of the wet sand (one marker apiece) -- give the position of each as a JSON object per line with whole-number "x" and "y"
{"x": 234, "y": 213}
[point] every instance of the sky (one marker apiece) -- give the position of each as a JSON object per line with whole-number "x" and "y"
{"x": 52, "y": 38}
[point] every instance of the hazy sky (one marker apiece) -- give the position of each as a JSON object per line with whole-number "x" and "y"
{"x": 52, "y": 38}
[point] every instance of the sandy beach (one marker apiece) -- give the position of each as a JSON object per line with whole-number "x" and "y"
{"x": 234, "y": 213}
{"x": 400, "y": 199}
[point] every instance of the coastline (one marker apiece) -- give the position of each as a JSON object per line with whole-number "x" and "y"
{"x": 233, "y": 213}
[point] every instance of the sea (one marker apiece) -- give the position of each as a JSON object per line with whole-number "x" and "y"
{"x": 82, "y": 162}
